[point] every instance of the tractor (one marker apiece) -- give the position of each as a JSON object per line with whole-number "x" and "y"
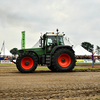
{"x": 51, "y": 52}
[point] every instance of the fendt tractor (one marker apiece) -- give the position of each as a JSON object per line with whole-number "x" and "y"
{"x": 51, "y": 52}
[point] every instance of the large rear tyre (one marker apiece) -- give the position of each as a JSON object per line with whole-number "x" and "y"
{"x": 26, "y": 63}
{"x": 63, "y": 60}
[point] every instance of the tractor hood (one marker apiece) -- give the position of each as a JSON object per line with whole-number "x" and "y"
{"x": 39, "y": 51}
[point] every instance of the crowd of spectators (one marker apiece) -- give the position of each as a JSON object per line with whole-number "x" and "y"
{"x": 83, "y": 57}
{"x": 7, "y": 57}
{"x": 86, "y": 57}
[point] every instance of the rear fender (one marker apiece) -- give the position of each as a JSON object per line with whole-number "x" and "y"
{"x": 62, "y": 46}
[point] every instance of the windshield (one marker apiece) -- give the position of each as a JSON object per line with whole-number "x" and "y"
{"x": 51, "y": 40}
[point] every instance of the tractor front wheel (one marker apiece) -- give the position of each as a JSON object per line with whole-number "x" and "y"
{"x": 26, "y": 63}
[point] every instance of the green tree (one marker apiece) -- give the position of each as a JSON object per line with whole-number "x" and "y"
{"x": 14, "y": 51}
{"x": 88, "y": 46}
{"x": 98, "y": 50}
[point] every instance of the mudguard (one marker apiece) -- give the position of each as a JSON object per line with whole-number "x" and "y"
{"x": 62, "y": 46}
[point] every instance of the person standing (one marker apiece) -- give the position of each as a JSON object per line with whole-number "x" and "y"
{"x": 93, "y": 60}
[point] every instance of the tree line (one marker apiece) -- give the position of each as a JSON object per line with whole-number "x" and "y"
{"x": 90, "y": 47}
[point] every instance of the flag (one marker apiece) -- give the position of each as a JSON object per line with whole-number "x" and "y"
{"x": 2, "y": 46}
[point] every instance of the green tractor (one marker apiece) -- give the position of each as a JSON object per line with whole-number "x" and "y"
{"x": 52, "y": 52}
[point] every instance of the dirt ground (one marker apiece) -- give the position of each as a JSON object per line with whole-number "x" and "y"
{"x": 80, "y": 84}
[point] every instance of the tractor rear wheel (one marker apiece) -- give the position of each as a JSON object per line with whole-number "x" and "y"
{"x": 63, "y": 60}
{"x": 26, "y": 63}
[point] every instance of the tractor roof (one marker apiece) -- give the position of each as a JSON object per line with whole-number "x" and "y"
{"x": 54, "y": 34}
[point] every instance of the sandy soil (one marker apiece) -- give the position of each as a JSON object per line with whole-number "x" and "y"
{"x": 47, "y": 85}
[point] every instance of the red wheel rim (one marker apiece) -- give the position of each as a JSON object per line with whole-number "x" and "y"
{"x": 64, "y": 60}
{"x": 27, "y": 62}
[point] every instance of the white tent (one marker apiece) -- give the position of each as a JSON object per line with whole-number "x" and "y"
{"x": 5, "y": 52}
{"x": 79, "y": 50}
{"x": 36, "y": 45}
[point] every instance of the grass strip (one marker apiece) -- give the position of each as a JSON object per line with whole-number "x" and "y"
{"x": 87, "y": 68}
{"x": 7, "y": 64}
{"x": 9, "y": 69}
{"x": 42, "y": 68}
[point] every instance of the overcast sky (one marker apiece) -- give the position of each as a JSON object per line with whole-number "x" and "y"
{"x": 78, "y": 19}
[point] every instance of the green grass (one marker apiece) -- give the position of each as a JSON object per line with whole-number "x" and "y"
{"x": 42, "y": 68}
{"x": 87, "y": 68}
{"x": 87, "y": 63}
{"x": 9, "y": 69}
{"x": 7, "y": 64}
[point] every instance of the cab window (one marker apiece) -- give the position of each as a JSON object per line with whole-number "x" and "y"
{"x": 51, "y": 43}
{"x": 60, "y": 40}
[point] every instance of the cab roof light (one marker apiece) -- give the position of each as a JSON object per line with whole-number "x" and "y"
{"x": 57, "y": 30}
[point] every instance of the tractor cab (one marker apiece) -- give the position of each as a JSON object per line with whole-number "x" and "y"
{"x": 50, "y": 40}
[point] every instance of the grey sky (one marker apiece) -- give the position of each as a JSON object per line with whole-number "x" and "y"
{"x": 79, "y": 19}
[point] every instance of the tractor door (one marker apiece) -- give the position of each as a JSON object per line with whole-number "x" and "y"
{"x": 51, "y": 43}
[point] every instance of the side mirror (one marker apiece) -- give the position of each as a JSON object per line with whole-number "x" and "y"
{"x": 40, "y": 41}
